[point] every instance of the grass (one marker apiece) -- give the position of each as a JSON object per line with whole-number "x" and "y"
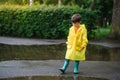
{"x": 101, "y": 33}
{"x": 12, "y": 6}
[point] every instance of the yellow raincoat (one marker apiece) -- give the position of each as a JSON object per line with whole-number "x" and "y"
{"x": 75, "y": 41}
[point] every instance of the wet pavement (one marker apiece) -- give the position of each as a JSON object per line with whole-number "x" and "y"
{"x": 26, "y": 41}
{"x": 20, "y": 68}
{"x": 106, "y": 44}
{"x": 98, "y": 69}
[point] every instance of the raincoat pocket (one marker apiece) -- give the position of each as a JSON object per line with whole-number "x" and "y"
{"x": 77, "y": 48}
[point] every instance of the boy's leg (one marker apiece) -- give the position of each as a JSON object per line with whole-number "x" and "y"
{"x": 65, "y": 65}
{"x": 76, "y": 66}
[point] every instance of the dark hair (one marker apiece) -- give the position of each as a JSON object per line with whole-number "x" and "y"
{"x": 76, "y": 18}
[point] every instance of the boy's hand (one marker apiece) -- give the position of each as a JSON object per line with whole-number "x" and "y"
{"x": 81, "y": 48}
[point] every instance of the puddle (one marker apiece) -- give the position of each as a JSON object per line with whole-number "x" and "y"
{"x": 54, "y": 78}
{"x": 101, "y": 53}
{"x": 55, "y": 52}
{"x": 41, "y": 52}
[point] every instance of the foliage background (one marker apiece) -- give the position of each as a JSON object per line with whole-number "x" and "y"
{"x": 46, "y": 20}
{"x": 41, "y": 23}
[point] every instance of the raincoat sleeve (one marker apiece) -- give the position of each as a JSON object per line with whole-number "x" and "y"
{"x": 84, "y": 38}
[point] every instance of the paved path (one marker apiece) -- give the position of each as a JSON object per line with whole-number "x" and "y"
{"x": 26, "y": 41}
{"x": 106, "y": 44}
{"x": 98, "y": 69}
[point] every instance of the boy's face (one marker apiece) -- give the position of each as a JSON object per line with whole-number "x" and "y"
{"x": 77, "y": 24}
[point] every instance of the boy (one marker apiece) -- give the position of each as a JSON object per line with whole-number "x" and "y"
{"x": 76, "y": 44}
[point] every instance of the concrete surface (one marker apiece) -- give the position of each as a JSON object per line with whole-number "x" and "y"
{"x": 98, "y": 69}
{"x": 18, "y": 68}
{"x": 27, "y": 41}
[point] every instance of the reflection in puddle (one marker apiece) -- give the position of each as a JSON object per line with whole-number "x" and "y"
{"x": 55, "y": 52}
{"x": 100, "y": 53}
{"x": 75, "y": 77}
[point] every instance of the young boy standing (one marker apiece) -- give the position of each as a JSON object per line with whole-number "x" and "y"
{"x": 76, "y": 44}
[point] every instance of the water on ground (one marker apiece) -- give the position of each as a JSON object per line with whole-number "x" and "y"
{"x": 55, "y": 52}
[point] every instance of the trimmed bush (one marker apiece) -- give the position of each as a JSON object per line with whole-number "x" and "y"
{"x": 42, "y": 22}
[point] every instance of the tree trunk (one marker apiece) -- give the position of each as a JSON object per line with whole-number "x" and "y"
{"x": 31, "y": 2}
{"x": 92, "y": 6}
{"x": 115, "y": 26}
{"x": 59, "y": 3}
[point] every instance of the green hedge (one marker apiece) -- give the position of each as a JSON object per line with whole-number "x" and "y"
{"x": 41, "y": 22}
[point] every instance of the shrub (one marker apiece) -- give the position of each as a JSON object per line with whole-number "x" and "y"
{"x": 42, "y": 22}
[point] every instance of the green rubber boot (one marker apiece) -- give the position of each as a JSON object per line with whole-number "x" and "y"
{"x": 66, "y": 63}
{"x": 76, "y": 65}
